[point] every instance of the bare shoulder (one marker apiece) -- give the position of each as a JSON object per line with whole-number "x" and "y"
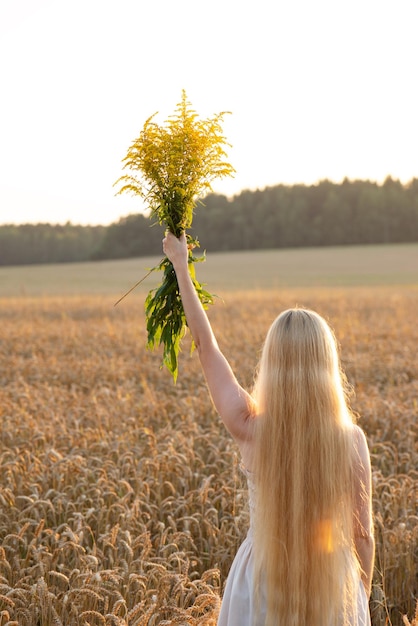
{"x": 360, "y": 440}
{"x": 361, "y": 449}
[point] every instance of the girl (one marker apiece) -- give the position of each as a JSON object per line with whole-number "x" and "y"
{"x": 308, "y": 556}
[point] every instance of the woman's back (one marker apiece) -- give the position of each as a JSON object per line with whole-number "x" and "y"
{"x": 305, "y": 463}
{"x": 242, "y": 607}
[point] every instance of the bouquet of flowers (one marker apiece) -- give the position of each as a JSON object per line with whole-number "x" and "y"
{"x": 171, "y": 167}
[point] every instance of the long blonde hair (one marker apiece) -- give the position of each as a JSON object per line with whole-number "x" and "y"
{"x": 303, "y": 527}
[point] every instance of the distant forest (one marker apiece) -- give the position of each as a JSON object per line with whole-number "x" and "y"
{"x": 283, "y": 216}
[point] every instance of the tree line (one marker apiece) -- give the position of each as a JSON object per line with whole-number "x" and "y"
{"x": 282, "y": 216}
{"x": 26, "y": 244}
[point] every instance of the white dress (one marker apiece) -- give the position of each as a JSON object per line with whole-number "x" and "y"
{"x": 237, "y": 608}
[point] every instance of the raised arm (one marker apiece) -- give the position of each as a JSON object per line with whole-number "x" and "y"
{"x": 232, "y": 402}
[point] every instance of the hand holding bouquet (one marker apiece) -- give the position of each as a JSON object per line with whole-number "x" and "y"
{"x": 172, "y": 167}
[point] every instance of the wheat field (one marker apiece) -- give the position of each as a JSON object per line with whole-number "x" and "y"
{"x": 122, "y": 501}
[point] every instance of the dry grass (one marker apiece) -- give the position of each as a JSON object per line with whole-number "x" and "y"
{"x": 121, "y": 498}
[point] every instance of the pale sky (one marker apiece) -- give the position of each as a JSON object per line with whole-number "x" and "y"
{"x": 317, "y": 89}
